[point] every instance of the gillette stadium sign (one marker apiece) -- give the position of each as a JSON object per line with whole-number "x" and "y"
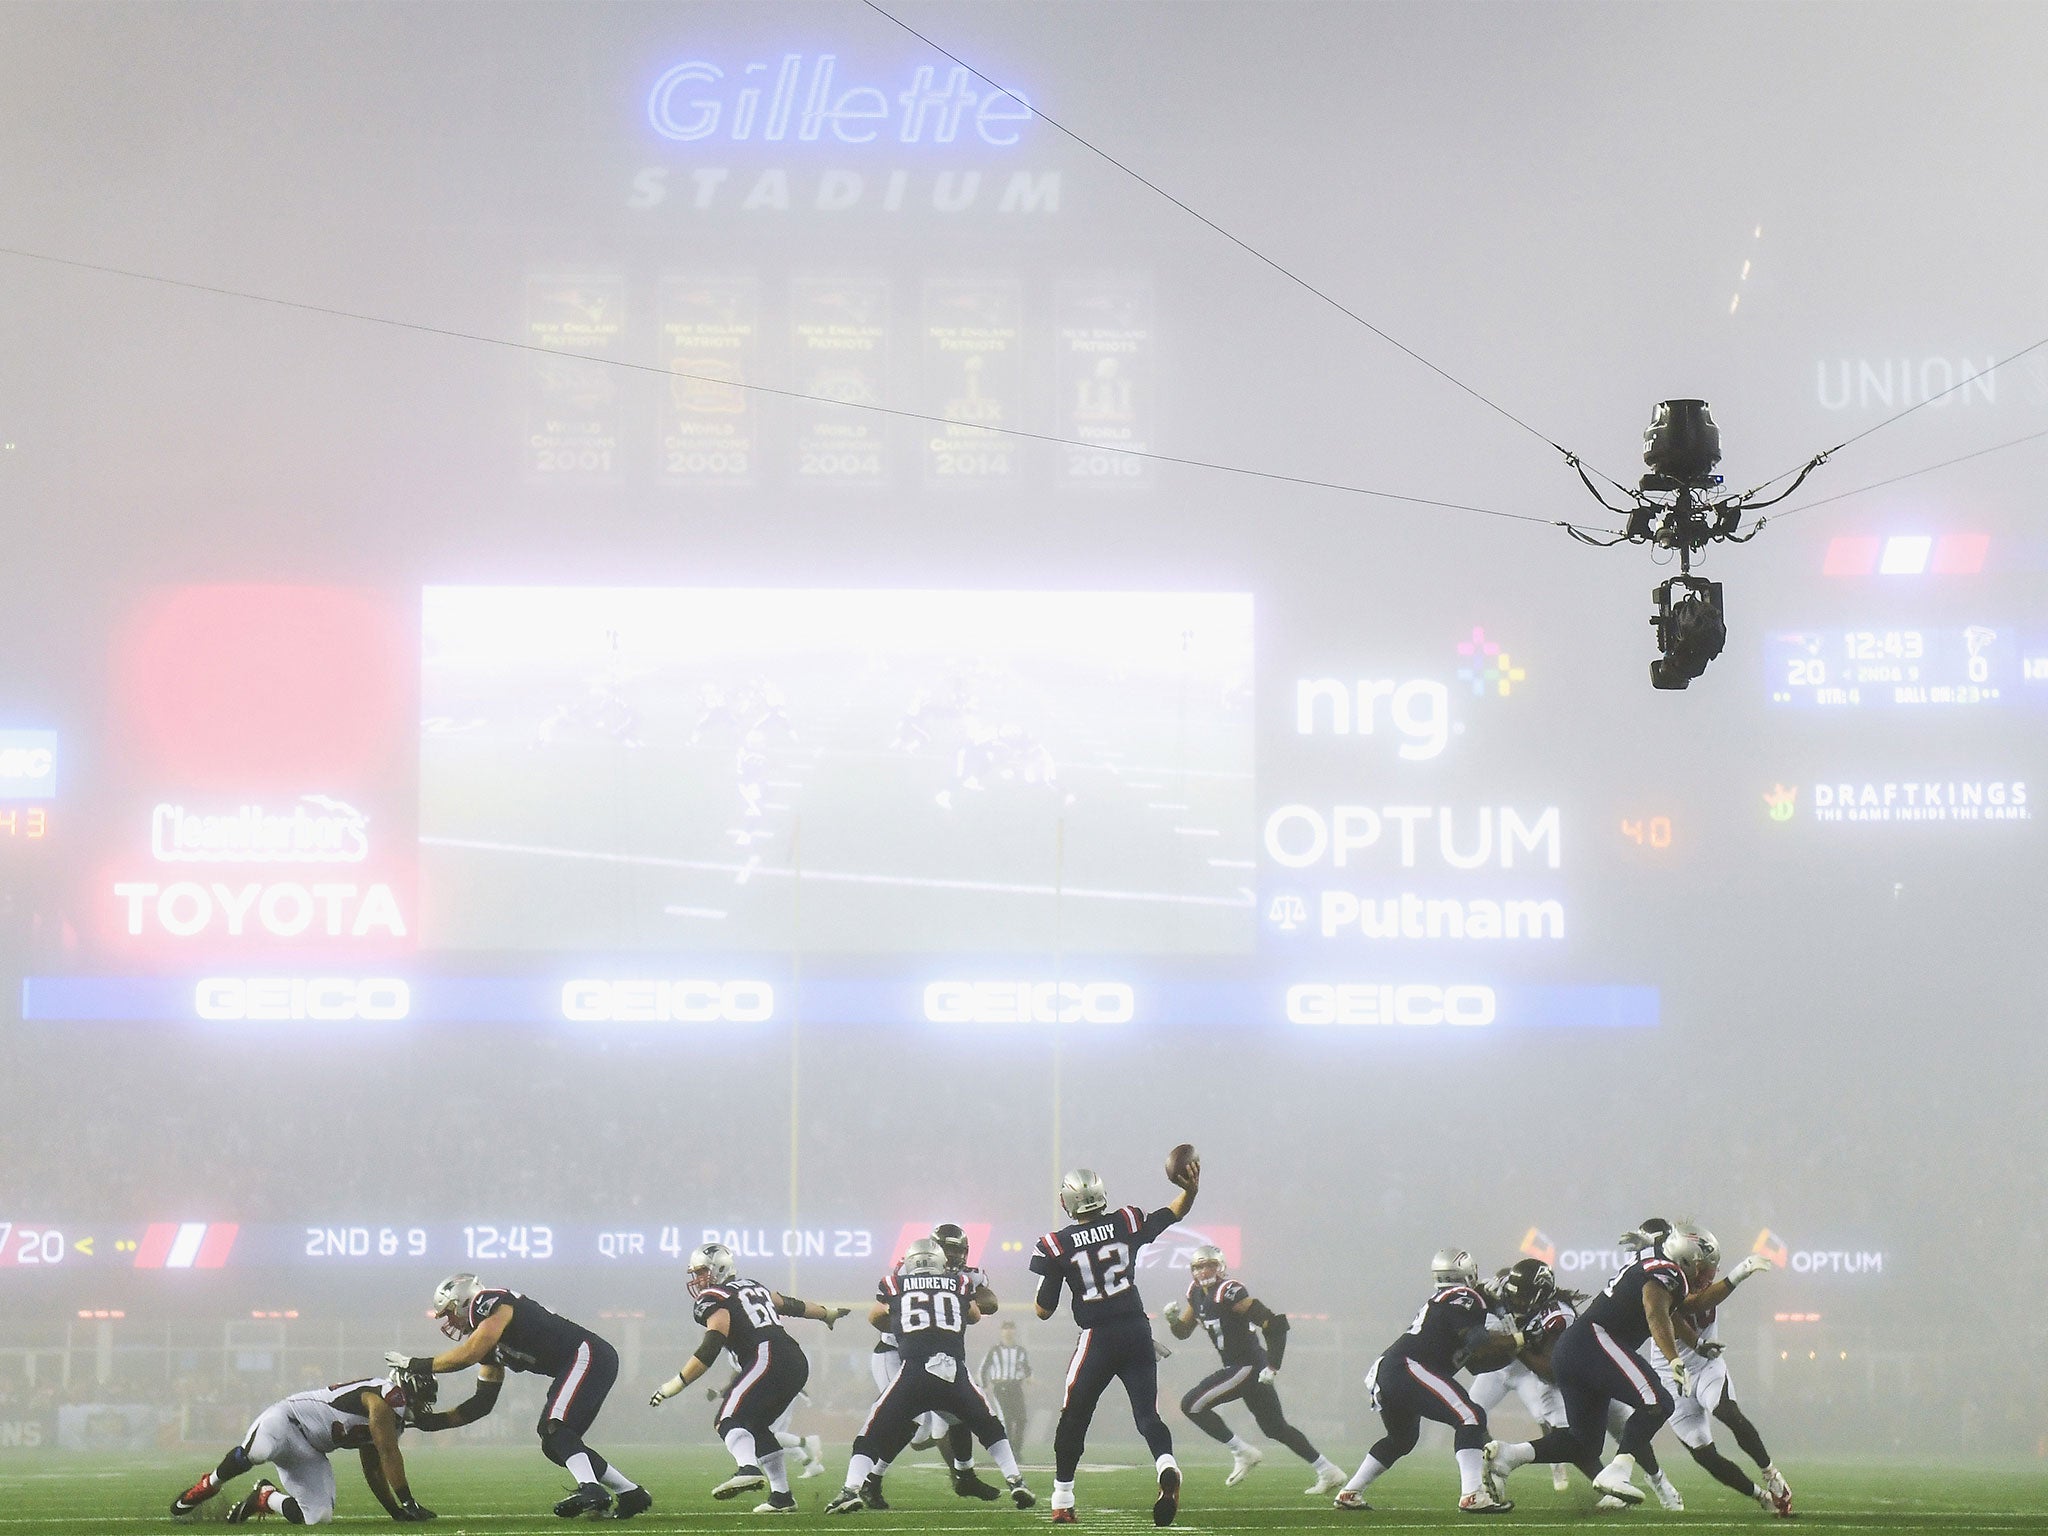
{"x": 799, "y": 98}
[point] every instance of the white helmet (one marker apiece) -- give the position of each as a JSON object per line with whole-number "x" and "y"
{"x": 1208, "y": 1257}
{"x": 924, "y": 1256}
{"x": 451, "y": 1304}
{"x": 1082, "y": 1194}
{"x": 1453, "y": 1266}
{"x": 710, "y": 1265}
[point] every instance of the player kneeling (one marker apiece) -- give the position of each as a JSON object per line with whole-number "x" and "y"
{"x": 927, "y": 1306}
{"x": 296, "y": 1437}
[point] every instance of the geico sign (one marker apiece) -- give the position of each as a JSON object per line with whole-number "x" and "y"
{"x": 590, "y": 1001}
{"x": 1029, "y": 1002}
{"x": 285, "y": 911}
{"x": 26, "y": 762}
{"x": 1380, "y": 1003}
{"x": 302, "y": 997}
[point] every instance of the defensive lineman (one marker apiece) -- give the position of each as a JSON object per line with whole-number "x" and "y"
{"x": 1416, "y": 1379}
{"x": 1541, "y": 1312}
{"x": 296, "y": 1437}
{"x": 928, "y": 1306}
{"x": 745, "y": 1317}
{"x": 1250, "y": 1340}
{"x": 495, "y": 1327}
{"x": 1094, "y": 1257}
{"x": 1596, "y": 1363}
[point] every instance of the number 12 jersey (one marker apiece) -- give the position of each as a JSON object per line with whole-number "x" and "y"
{"x": 1096, "y": 1260}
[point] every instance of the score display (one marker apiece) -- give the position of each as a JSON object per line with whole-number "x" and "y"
{"x": 1947, "y": 667}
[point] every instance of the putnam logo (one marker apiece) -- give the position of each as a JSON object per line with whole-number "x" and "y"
{"x": 1536, "y": 1244}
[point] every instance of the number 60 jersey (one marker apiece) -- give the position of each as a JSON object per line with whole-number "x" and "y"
{"x": 1096, "y": 1259}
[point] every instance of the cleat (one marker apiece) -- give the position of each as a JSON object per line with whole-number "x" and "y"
{"x": 1351, "y": 1500}
{"x": 1560, "y": 1478}
{"x": 1492, "y": 1476}
{"x": 1021, "y": 1496}
{"x": 1617, "y": 1488}
{"x": 846, "y": 1502}
{"x": 186, "y": 1502}
{"x": 871, "y": 1492}
{"x": 1326, "y": 1482}
{"x": 1484, "y": 1503}
{"x": 634, "y": 1501}
{"x": 814, "y": 1456}
{"x": 1667, "y": 1493}
{"x": 251, "y": 1504}
{"x": 1779, "y": 1492}
{"x": 1609, "y": 1501}
{"x": 743, "y": 1480}
{"x": 1065, "y": 1517}
{"x": 777, "y": 1504}
{"x": 1167, "y": 1505}
{"x": 1241, "y": 1464}
{"x": 969, "y": 1486}
{"x": 588, "y": 1499}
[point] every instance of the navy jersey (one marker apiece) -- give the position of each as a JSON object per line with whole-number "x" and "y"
{"x": 1096, "y": 1260}
{"x": 1231, "y": 1331}
{"x": 535, "y": 1340}
{"x": 1619, "y": 1307}
{"x": 1445, "y": 1330}
{"x": 750, "y": 1317}
{"x": 928, "y": 1315}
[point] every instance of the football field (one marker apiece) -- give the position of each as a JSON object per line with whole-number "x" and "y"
{"x": 507, "y": 1491}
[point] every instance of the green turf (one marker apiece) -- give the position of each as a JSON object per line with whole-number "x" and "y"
{"x": 506, "y": 1491}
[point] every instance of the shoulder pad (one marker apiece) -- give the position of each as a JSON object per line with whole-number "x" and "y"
{"x": 1133, "y": 1218}
{"x": 1050, "y": 1245}
{"x": 1231, "y": 1292}
{"x": 1462, "y": 1297}
{"x": 484, "y": 1303}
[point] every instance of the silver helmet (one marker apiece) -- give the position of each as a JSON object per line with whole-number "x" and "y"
{"x": 924, "y": 1256}
{"x": 1206, "y": 1264}
{"x": 451, "y": 1304}
{"x": 1082, "y": 1194}
{"x": 1709, "y": 1245}
{"x": 1684, "y": 1249}
{"x": 1453, "y": 1266}
{"x": 710, "y": 1265}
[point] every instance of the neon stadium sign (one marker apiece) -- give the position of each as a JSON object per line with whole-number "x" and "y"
{"x": 802, "y": 98}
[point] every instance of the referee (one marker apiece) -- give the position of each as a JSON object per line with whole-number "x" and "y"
{"x": 1004, "y": 1370}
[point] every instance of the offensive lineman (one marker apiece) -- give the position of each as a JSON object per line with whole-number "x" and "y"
{"x": 1707, "y": 1394}
{"x": 496, "y": 1328}
{"x": 745, "y": 1317}
{"x": 1541, "y": 1312}
{"x": 1416, "y": 1379}
{"x": 928, "y": 1306}
{"x": 1094, "y": 1257}
{"x": 1596, "y": 1363}
{"x": 1235, "y": 1320}
{"x": 297, "y": 1435}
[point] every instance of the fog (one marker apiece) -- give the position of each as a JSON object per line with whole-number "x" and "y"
{"x": 486, "y": 524}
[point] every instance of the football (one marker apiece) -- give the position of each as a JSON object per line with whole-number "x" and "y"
{"x": 1183, "y": 1162}
{"x": 1495, "y": 1351}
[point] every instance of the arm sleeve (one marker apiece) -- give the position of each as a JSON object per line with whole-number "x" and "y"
{"x": 1048, "y": 1297}
{"x": 1154, "y": 1226}
{"x": 479, "y": 1403}
{"x": 789, "y": 1306}
{"x": 1275, "y": 1327}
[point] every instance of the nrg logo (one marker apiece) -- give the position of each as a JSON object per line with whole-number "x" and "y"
{"x": 1416, "y": 711}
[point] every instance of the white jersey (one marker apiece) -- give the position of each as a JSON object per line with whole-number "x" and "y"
{"x": 335, "y": 1418}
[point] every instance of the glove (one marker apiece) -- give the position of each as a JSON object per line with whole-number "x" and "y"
{"x": 412, "y": 1512}
{"x": 1755, "y": 1264}
{"x": 1710, "y": 1350}
{"x": 1681, "y": 1379}
{"x": 1170, "y": 1313}
{"x": 665, "y": 1391}
{"x": 1266, "y": 1376}
{"x": 833, "y": 1314}
{"x": 421, "y": 1365}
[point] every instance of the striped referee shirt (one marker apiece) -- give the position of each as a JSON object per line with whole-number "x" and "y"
{"x": 1004, "y": 1364}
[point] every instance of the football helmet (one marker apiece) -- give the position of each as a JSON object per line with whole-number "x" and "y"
{"x": 1206, "y": 1264}
{"x": 950, "y": 1237}
{"x": 420, "y": 1389}
{"x": 1453, "y": 1266}
{"x": 1689, "y": 1254}
{"x": 451, "y": 1304}
{"x": 1709, "y": 1245}
{"x": 1526, "y": 1285}
{"x": 710, "y": 1265}
{"x": 1082, "y": 1194}
{"x": 924, "y": 1256}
